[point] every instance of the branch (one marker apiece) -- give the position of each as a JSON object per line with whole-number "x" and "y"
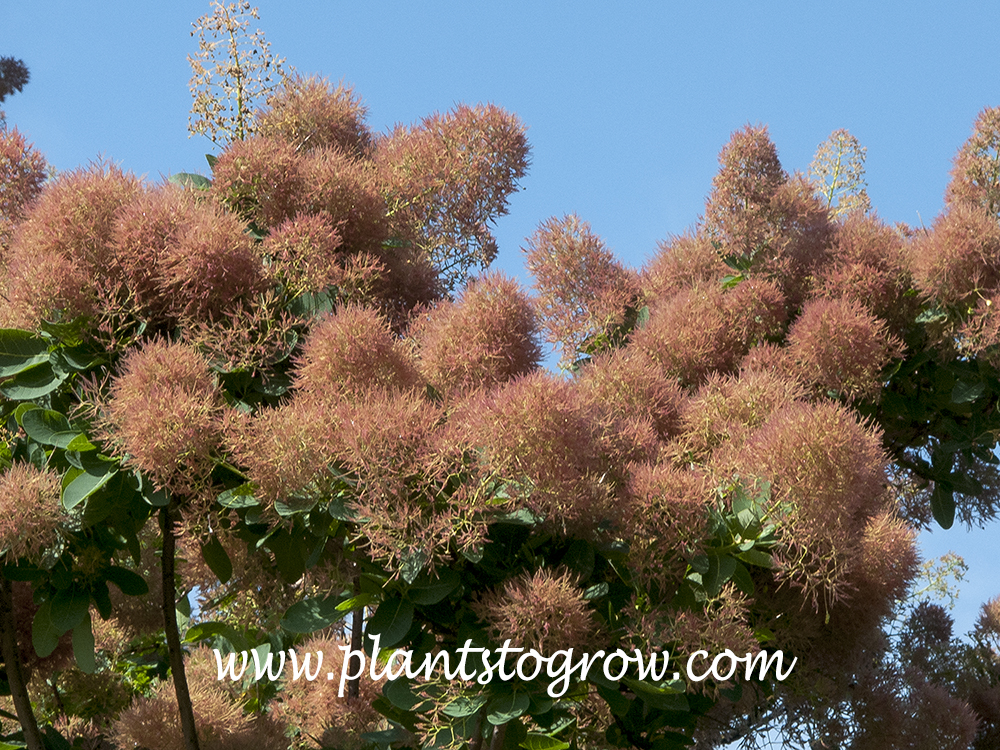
{"x": 12, "y": 660}
{"x": 176, "y": 653}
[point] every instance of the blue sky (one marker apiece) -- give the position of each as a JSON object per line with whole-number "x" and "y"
{"x": 627, "y": 105}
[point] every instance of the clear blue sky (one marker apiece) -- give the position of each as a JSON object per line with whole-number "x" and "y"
{"x": 627, "y": 104}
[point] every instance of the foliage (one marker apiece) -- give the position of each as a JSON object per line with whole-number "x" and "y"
{"x": 14, "y": 76}
{"x": 269, "y": 361}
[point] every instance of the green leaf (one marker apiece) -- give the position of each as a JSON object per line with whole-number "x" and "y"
{"x": 520, "y": 517}
{"x": 310, "y": 615}
{"x": 156, "y": 498}
{"x": 932, "y": 315}
{"x": 216, "y": 557}
{"x": 22, "y": 572}
{"x": 580, "y": 558}
{"x": 68, "y": 608}
{"x": 312, "y": 304}
{"x": 293, "y": 506}
{"x": 474, "y": 555}
{"x": 663, "y": 697}
{"x": 505, "y": 708}
{"x": 943, "y": 505}
{"x": 44, "y": 636}
{"x": 277, "y": 384}
{"x": 464, "y": 706}
{"x": 756, "y": 557}
{"x": 356, "y": 602}
{"x": 186, "y": 179}
{"x": 204, "y": 630}
{"x": 596, "y": 591}
{"x": 211, "y": 161}
{"x": 183, "y": 610}
{"x": 701, "y": 564}
{"x": 386, "y": 738}
{"x": 23, "y": 409}
{"x": 964, "y": 393}
{"x": 20, "y": 350}
{"x": 32, "y": 383}
{"x": 130, "y": 584}
{"x": 102, "y": 598}
{"x": 535, "y": 741}
{"x": 80, "y": 443}
{"x": 732, "y": 280}
{"x": 413, "y": 563}
{"x": 87, "y": 483}
{"x": 392, "y": 621}
{"x": 49, "y": 428}
{"x": 400, "y": 695}
{"x": 712, "y": 579}
{"x": 54, "y": 740}
{"x": 83, "y": 646}
{"x": 617, "y": 702}
{"x": 239, "y": 497}
{"x": 79, "y": 359}
{"x": 431, "y": 591}
{"x": 288, "y": 555}
{"x": 727, "y": 567}
{"x": 742, "y": 579}
{"x": 514, "y": 736}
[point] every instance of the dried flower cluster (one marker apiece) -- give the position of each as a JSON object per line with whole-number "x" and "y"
{"x": 22, "y": 172}
{"x": 153, "y": 722}
{"x": 448, "y": 177}
{"x": 545, "y": 611}
{"x": 486, "y": 338}
{"x": 30, "y": 512}
{"x": 582, "y": 290}
{"x": 163, "y": 415}
{"x": 309, "y": 113}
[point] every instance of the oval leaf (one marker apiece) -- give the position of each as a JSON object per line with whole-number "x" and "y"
{"x": 966, "y": 393}
{"x": 20, "y": 350}
{"x": 216, "y": 557}
{"x": 86, "y": 484}
{"x": 204, "y": 630}
{"x": 742, "y": 579}
{"x": 130, "y": 584}
{"x": 83, "y": 646}
{"x": 49, "y": 427}
{"x": 239, "y": 497}
{"x": 400, "y": 695}
{"x": 536, "y": 741}
{"x": 186, "y": 179}
{"x": 68, "y": 608}
{"x": 80, "y": 443}
{"x": 44, "y": 636}
{"x": 756, "y": 557}
{"x": 505, "y": 708}
{"x": 392, "y": 621}
{"x": 435, "y": 591}
{"x": 32, "y": 383}
{"x": 665, "y": 698}
{"x": 464, "y": 706}
{"x": 311, "y": 615}
{"x": 943, "y": 506}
